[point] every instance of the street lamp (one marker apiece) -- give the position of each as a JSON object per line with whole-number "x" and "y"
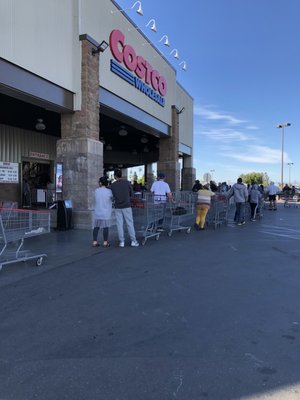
{"x": 282, "y": 126}
{"x": 212, "y": 173}
{"x": 290, "y": 164}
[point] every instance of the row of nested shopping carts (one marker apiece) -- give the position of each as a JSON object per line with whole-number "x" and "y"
{"x": 150, "y": 213}
{"x": 156, "y": 214}
{"x": 176, "y": 213}
{"x": 15, "y": 226}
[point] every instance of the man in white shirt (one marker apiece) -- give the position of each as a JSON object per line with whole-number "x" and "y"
{"x": 161, "y": 192}
{"x": 272, "y": 191}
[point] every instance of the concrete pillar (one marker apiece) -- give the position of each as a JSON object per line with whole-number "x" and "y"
{"x": 188, "y": 178}
{"x": 168, "y": 154}
{"x": 188, "y": 173}
{"x": 149, "y": 176}
{"x": 79, "y": 149}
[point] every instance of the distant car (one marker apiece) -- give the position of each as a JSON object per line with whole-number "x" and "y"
{"x": 296, "y": 194}
{"x": 286, "y": 194}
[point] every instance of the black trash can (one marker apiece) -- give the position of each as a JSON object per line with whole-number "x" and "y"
{"x": 64, "y": 215}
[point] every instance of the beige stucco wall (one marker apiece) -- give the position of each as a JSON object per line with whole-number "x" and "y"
{"x": 42, "y": 36}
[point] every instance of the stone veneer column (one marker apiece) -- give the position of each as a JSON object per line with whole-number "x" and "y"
{"x": 188, "y": 178}
{"x": 168, "y": 154}
{"x": 188, "y": 173}
{"x": 149, "y": 177}
{"x": 79, "y": 149}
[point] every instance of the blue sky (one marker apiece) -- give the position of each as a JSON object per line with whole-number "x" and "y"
{"x": 243, "y": 71}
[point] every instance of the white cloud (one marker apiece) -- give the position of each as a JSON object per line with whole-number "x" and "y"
{"x": 257, "y": 154}
{"x": 225, "y": 134}
{"x": 213, "y": 115}
{"x": 252, "y": 127}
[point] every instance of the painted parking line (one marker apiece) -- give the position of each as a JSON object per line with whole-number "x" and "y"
{"x": 280, "y": 231}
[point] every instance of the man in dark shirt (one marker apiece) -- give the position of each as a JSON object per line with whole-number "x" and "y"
{"x": 122, "y": 192}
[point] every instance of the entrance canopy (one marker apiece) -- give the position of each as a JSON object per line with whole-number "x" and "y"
{"x": 130, "y": 135}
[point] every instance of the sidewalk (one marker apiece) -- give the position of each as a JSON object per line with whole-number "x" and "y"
{"x": 61, "y": 247}
{"x": 65, "y": 247}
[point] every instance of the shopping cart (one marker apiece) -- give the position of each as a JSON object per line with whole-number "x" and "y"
{"x": 291, "y": 200}
{"x": 146, "y": 215}
{"x": 17, "y": 225}
{"x": 218, "y": 212}
{"x": 178, "y": 210}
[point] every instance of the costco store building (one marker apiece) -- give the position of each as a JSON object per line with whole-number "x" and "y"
{"x": 71, "y": 113}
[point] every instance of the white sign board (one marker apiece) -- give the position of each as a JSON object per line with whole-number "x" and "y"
{"x": 9, "y": 172}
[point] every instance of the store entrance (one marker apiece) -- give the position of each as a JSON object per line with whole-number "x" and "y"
{"x": 38, "y": 188}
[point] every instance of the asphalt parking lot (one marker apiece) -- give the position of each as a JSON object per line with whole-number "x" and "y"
{"x": 211, "y": 314}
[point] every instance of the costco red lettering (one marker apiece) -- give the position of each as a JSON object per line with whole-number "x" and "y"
{"x": 130, "y": 59}
{"x": 140, "y": 69}
{"x": 124, "y": 53}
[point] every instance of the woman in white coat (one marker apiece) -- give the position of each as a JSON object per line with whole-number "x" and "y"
{"x": 102, "y": 213}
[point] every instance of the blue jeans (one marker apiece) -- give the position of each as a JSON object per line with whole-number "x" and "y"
{"x": 239, "y": 212}
{"x": 121, "y": 215}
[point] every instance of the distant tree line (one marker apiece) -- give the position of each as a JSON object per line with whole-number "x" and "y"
{"x": 261, "y": 178}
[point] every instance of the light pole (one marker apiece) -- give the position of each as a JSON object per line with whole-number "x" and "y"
{"x": 281, "y": 126}
{"x": 290, "y": 164}
{"x": 212, "y": 173}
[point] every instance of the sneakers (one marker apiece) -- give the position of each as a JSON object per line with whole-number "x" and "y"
{"x": 197, "y": 227}
{"x": 241, "y": 223}
{"x": 134, "y": 243}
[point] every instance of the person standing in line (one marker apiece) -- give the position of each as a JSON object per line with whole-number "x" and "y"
{"x": 254, "y": 199}
{"x": 240, "y": 194}
{"x": 102, "y": 213}
{"x": 203, "y": 205}
{"x": 26, "y": 194}
{"x": 272, "y": 191}
{"x": 197, "y": 186}
{"x": 122, "y": 192}
{"x": 261, "y": 188}
{"x": 161, "y": 192}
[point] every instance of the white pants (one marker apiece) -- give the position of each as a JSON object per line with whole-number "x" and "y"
{"x": 121, "y": 215}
